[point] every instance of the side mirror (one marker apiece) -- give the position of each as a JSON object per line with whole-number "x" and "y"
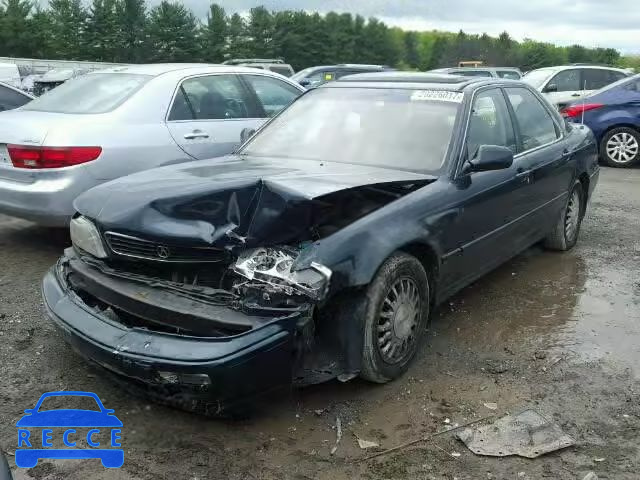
{"x": 29, "y": 410}
{"x": 246, "y": 134}
{"x": 305, "y": 82}
{"x": 551, "y": 88}
{"x": 490, "y": 157}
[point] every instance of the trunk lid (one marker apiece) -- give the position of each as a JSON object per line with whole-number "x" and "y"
{"x": 23, "y": 127}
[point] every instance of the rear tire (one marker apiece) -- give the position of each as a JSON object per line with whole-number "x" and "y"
{"x": 565, "y": 233}
{"x": 620, "y": 147}
{"x": 396, "y": 308}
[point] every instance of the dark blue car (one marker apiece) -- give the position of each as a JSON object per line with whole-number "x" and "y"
{"x": 613, "y": 113}
{"x": 320, "y": 248}
{"x": 67, "y": 418}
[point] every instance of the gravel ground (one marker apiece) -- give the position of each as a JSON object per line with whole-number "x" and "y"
{"x": 556, "y": 332}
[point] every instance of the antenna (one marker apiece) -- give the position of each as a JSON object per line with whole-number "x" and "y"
{"x": 584, "y": 101}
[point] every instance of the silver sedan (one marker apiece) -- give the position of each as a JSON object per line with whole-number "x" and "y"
{"x": 114, "y": 122}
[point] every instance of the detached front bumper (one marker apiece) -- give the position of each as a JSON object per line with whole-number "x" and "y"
{"x": 211, "y": 375}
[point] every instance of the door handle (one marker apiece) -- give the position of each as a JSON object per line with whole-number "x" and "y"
{"x": 575, "y": 95}
{"x": 196, "y": 134}
{"x": 523, "y": 174}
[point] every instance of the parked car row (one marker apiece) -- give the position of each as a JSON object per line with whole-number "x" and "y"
{"x": 226, "y": 223}
{"x": 494, "y": 72}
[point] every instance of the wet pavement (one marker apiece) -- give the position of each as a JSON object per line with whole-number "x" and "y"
{"x": 559, "y": 333}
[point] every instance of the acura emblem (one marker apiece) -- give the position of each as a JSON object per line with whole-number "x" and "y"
{"x": 163, "y": 251}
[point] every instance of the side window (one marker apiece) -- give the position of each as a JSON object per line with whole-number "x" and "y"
{"x": 567, "y": 81}
{"x": 535, "y": 123}
{"x": 10, "y": 99}
{"x": 474, "y": 73}
{"x": 633, "y": 86}
{"x": 490, "y": 123}
{"x": 615, "y": 76}
{"x": 510, "y": 74}
{"x": 274, "y": 94}
{"x": 214, "y": 97}
{"x": 595, "y": 79}
{"x": 282, "y": 70}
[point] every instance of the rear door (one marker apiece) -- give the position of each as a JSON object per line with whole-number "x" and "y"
{"x": 543, "y": 159}
{"x": 209, "y": 112}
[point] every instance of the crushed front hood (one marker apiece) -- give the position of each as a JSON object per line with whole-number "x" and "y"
{"x": 232, "y": 200}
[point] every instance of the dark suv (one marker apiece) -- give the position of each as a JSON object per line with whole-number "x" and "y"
{"x": 315, "y": 76}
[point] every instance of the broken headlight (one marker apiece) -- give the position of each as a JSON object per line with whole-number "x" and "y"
{"x": 86, "y": 237}
{"x": 272, "y": 268}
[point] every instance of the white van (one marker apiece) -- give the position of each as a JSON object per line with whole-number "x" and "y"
{"x": 9, "y": 74}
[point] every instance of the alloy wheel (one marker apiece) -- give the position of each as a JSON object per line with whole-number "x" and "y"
{"x": 622, "y": 147}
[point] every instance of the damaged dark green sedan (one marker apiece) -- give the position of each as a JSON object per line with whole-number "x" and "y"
{"x": 319, "y": 249}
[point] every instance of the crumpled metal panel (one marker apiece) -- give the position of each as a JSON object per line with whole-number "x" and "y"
{"x": 227, "y": 202}
{"x": 527, "y": 434}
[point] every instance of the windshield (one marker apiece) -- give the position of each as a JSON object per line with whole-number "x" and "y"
{"x": 94, "y": 93}
{"x": 395, "y": 128}
{"x": 536, "y": 78}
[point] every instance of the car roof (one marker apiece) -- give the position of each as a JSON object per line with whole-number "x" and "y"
{"x": 349, "y": 66}
{"x": 436, "y": 81}
{"x": 156, "y": 69}
{"x": 560, "y": 68}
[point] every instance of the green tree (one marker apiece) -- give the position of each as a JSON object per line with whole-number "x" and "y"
{"x": 260, "y": 32}
{"x": 132, "y": 17}
{"x": 412, "y": 50}
{"x": 172, "y": 33}
{"x": 238, "y": 42}
{"x": 41, "y": 28}
{"x": 578, "y": 54}
{"x": 15, "y": 34}
{"x": 214, "y": 34}
{"x": 341, "y": 39}
{"x": 104, "y": 31}
{"x": 68, "y": 29}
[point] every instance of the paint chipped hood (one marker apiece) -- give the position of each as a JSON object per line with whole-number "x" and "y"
{"x": 234, "y": 200}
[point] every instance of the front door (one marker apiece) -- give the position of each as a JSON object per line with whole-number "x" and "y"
{"x": 209, "y": 113}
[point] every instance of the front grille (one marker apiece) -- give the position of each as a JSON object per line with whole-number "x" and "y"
{"x": 134, "y": 247}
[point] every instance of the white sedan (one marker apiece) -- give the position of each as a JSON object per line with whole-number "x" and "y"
{"x": 114, "y": 122}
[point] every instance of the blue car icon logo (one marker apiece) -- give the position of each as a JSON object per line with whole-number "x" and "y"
{"x": 37, "y": 429}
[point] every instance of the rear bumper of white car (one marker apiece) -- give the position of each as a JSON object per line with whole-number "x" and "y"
{"x": 45, "y": 199}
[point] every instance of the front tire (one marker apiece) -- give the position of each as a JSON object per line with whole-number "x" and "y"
{"x": 396, "y": 310}
{"x": 565, "y": 233}
{"x": 620, "y": 147}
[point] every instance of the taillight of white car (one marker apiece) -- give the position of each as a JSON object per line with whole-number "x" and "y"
{"x": 25, "y": 156}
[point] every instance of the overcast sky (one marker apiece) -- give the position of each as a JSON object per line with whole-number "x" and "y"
{"x": 593, "y": 23}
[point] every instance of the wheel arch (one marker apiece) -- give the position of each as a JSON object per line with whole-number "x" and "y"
{"x": 429, "y": 259}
